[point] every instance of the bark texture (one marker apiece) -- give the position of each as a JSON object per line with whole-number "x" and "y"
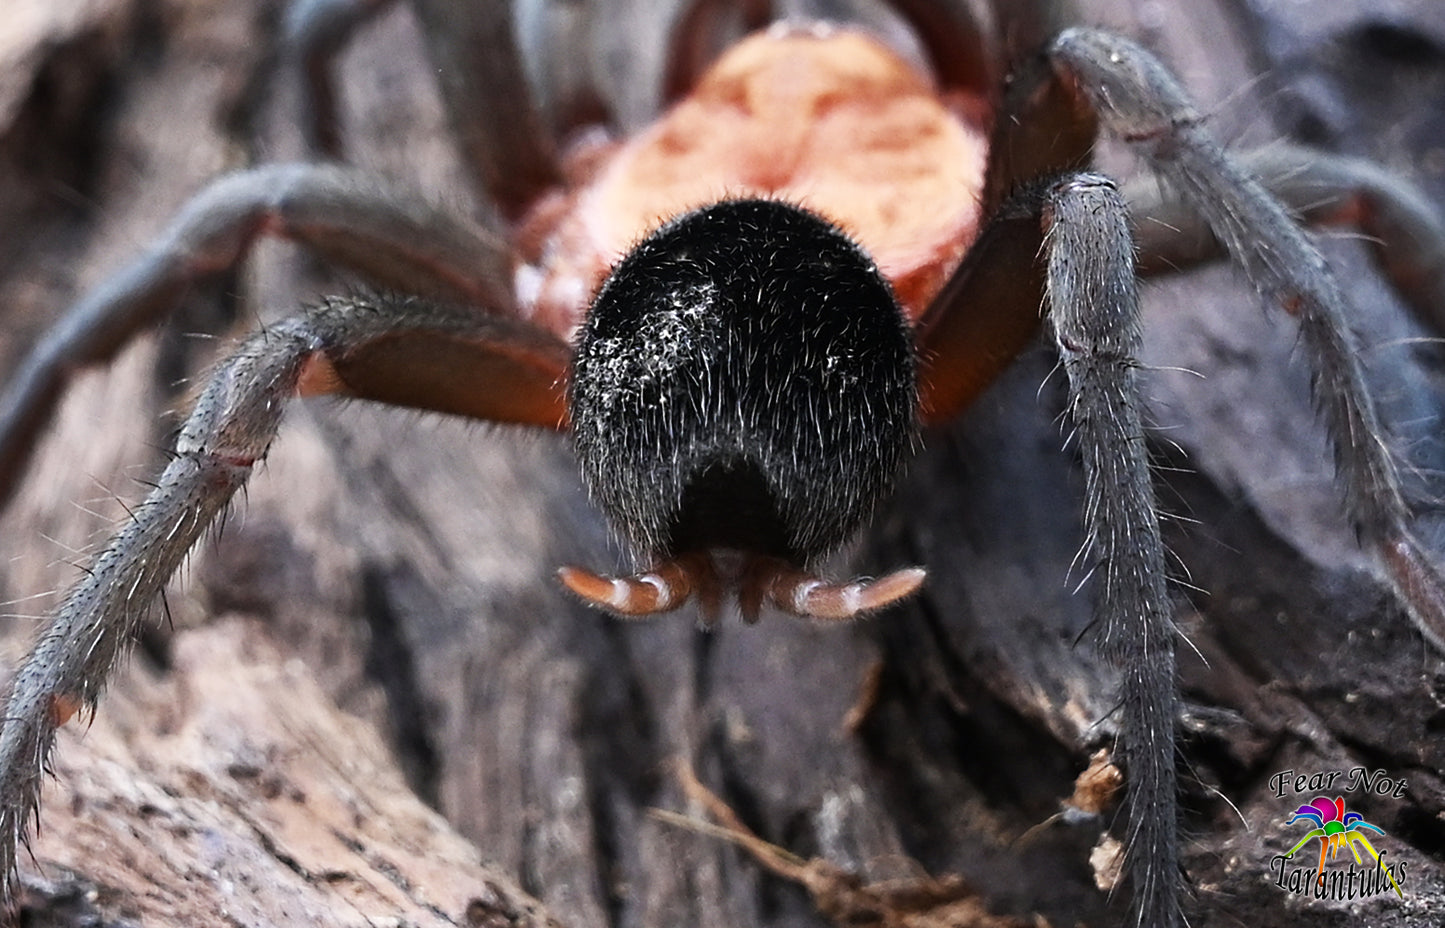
{"x": 399, "y": 567}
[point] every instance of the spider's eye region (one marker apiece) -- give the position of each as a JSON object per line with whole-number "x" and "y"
{"x": 744, "y": 380}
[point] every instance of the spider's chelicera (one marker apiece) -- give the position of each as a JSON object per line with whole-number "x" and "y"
{"x": 747, "y": 380}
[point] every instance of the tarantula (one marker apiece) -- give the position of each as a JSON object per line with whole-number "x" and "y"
{"x": 689, "y": 414}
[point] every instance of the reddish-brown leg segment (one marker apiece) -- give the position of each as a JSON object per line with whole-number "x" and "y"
{"x": 351, "y": 218}
{"x": 986, "y": 313}
{"x": 331, "y": 349}
{"x": 356, "y": 221}
{"x": 983, "y": 316}
{"x": 990, "y": 308}
{"x": 1141, "y": 103}
{"x": 1069, "y": 243}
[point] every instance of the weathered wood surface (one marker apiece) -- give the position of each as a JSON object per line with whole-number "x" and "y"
{"x": 231, "y": 790}
{"x": 404, "y": 563}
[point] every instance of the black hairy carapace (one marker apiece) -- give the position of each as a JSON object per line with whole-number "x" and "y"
{"x": 744, "y": 380}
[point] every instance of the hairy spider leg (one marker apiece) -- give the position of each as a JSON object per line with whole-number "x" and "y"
{"x": 1100, "y": 76}
{"x": 1403, "y": 231}
{"x": 1093, "y": 314}
{"x": 1074, "y": 233}
{"x": 510, "y": 371}
{"x": 1142, "y": 104}
{"x": 489, "y": 102}
{"x": 354, "y": 219}
{"x": 1382, "y": 521}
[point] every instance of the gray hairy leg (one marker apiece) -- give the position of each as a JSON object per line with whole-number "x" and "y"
{"x": 351, "y": 218}
{"x": 482, "y": 366}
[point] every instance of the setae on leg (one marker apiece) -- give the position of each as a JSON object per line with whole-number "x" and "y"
{"x": 1093, "y": 315}
{"x": 481, "y": 366}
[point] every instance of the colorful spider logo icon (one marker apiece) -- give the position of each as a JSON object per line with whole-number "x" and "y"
{"x": 1335, "y": 828}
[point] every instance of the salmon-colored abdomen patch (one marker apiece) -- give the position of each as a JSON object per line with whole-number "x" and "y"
{"x": 829, "y": 119}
